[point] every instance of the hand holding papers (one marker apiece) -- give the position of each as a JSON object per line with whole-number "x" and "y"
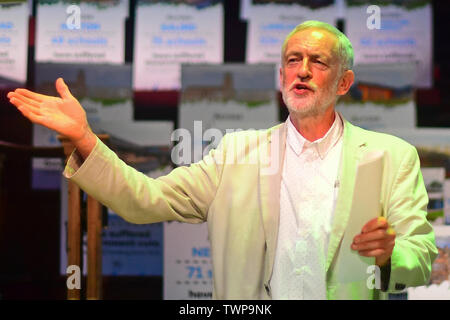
{"x": 366, "y": 206}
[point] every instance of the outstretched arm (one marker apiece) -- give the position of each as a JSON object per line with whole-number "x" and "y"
{"x": 62, "y": 114}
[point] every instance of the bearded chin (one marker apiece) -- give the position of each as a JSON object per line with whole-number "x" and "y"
{"x": 303, "y": 108}
{"x": 300, "y": 107}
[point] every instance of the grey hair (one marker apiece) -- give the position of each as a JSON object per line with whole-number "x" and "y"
{"x": 344, "y": 46}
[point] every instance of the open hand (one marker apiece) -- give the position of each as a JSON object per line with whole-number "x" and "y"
{"x": 62, "y": 114}
{"x": 377, "y": 239}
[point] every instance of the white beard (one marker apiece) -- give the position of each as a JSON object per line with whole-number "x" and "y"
{"x": 304, "y": 107}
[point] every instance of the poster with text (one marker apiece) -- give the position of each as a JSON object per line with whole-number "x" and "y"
{"x": 104, "y": 91}
{"x": 81, "y": 31}
{"x": 393, "y": 32}
{"x": 220, "y": 99}
{"x": 129, "y": 249}
{"x": 169, "y": 33}
{"x": 14, "y": 17}
{"x": 187, "y": 262}
{"x": 381, "y": 97}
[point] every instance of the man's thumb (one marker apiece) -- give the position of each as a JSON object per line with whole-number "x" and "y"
{"x": 63, "y": 89}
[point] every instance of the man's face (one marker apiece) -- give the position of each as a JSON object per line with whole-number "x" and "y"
{"x": 310, "y": 72}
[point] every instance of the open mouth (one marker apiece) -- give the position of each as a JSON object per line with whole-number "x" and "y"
{"x": 300, "y": 88}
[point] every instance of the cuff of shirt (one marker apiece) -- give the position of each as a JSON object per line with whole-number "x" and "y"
{"x": 75, "y": 161}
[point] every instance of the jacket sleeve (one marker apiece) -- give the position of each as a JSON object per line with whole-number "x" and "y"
{"x": 185, "y": 194}
{"x": 415, "y": 249}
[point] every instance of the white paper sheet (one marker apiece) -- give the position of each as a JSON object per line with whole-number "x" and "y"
{"x": 365, "y": 206}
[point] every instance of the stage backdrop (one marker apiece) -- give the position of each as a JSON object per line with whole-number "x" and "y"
{"x": 169, "y": 33}
{"x": 92, "y": 32}
{"x": 14, "y": 17}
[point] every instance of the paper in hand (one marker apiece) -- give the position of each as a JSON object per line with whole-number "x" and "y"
{"x": 365, "y": 206}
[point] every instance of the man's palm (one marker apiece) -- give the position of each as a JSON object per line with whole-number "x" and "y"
{"x": 64, "y": 115}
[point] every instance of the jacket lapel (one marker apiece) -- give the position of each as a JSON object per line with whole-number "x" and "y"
{"x": 270, "y": 183}
{"x": 352, "y": 151}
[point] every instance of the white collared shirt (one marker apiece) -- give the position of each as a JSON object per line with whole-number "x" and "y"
{"x": 307, "y": 199}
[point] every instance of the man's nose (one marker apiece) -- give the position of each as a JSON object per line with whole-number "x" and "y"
{"x": 304, "y": 71}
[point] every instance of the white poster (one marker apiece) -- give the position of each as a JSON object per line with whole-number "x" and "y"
{"x": 220, "y": 99}
{"x": 169, "y": 33}
{"x": 81, "y": 32}
{"x": 129, "y": 249}
{"x": 403, "y": 35}
{"x": 187, "y": 262}
{"x": 269, "y": 22}
{"x": 13, "y": 43}
{"x": 381, "y": 97}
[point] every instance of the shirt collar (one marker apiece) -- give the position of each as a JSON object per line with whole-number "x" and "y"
{"x": 298, "y": 143}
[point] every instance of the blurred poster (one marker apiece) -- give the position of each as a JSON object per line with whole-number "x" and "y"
{"x": 381, "y": 97}
{"x": 270, "y": 21}
{"x": 14, "y": 17}
{"x": 129, "y": 249}
{"x": 187, "y": 262}
{"x": 81, "y": 31}
{"x": 104, "y": 91}
{"x": 169, "y": 33}
{"x": 214, "y": 100}
{"x": 433, "y": 147}
{"x": 434, "y": 178}
{"x": 404, "y": 35}
{"x": 219, "y": 99}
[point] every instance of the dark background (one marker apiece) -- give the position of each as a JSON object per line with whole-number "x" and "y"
{"x": 29, "y": 219}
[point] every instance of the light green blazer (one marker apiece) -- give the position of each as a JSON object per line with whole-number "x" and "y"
{"x": 236, "y": 189}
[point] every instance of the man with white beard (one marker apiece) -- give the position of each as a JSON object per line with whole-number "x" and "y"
{"x": 277, "y": 235}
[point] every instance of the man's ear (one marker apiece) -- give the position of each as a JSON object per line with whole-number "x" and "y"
{"x": 345, "y": 82}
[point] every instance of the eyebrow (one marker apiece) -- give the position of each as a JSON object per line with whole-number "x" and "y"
{"x": 313, "y": 55}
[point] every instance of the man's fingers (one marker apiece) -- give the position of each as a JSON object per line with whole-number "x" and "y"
{"x": 63, "y": 89}
{"x": 377, "y": 234}
{"x": 372, "y": 253}
{"x": 35, "y": 118}
{"x": 17, "y": 98}
{"x": 32, "y": 95}
{"x": 387, "y": 242}
{"x": 374, "y": 224}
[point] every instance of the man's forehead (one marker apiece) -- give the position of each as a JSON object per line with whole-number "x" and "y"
{"x": 317, "y": 40}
